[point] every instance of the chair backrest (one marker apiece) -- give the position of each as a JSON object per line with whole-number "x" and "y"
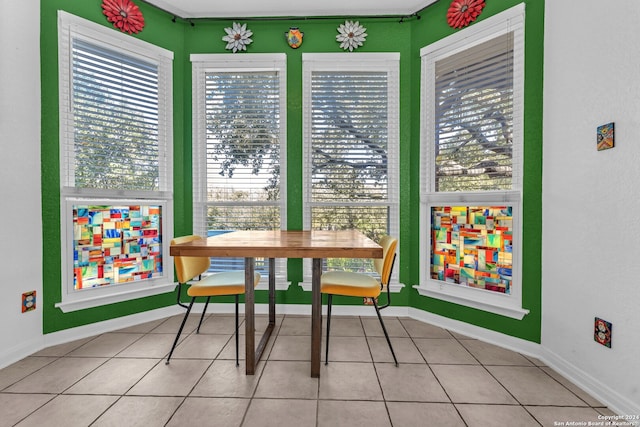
{"x": 188, "y": 267}
{"x": 384, "y": 265}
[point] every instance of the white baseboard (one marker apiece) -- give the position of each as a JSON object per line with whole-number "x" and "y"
{"x": 617, "y": 403}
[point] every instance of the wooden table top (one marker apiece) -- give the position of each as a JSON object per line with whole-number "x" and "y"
{"x": 283, "y": 244}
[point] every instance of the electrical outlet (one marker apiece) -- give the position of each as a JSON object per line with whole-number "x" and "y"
{"x": 602, "y": 332}
{"x": 28, "y": 301}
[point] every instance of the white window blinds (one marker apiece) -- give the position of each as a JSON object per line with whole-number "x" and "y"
{"x": 474, "y": 118}
{"x": 115, "y": 115}
{"x": 116, "y": 111}
{"x": 473, "y": 89}
{"x": 239, "y": 163}
{"x": 351, "y": 144}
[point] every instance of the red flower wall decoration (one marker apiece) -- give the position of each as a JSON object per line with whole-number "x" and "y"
{"x": 463, "y": 12}
{"x": 124, "y": 14}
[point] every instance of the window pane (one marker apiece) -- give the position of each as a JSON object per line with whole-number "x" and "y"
{"x": 243, "y": 136}
{"x": 349, "y": 136}
{"x": 474, "y": 118}
{"x": 242, "y": 121}
{"x": 115, "y": 114}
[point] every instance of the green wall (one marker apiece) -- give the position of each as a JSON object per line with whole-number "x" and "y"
{"x": 384, "y": 35}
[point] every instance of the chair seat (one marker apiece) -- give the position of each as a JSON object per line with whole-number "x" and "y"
{"x": 349, "y": 284}
{"x": 225, "y": 283}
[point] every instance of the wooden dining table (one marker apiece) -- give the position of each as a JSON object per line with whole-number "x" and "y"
{"x": 317, "y": 245}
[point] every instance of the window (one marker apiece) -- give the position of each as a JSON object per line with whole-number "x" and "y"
{"x": 239, "y": 163}
{"x": 115, "y": 164}
{"x": 472, "y": 133}
{"x": 350, "y": 145}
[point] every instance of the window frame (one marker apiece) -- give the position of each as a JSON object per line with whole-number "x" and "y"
{"x": 388, "y": 62}
{"x": 511, "y": 20}
{"x": 228, "y": 62}
{"x": 70, "y": 27}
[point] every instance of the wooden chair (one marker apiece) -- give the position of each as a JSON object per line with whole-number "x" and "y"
{"x": 216, "y": 284}
{"x": 362, "y": 285}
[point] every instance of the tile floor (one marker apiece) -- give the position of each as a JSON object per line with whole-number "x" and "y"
{"x": 444, "y": 379}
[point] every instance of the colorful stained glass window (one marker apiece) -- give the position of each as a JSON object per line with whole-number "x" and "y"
{"x": 472, "y": 246}
{"x": 116, "y": 244}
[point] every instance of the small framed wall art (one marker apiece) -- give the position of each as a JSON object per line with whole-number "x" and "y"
{"x": 605, "y": 138}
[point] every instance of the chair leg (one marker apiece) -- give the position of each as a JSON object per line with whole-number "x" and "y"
{"x": 184, "y": 320}
{"x": 384, "y": 329}
{"x": 329, "y": 300}
{"x": 206, "y": 304}
{"x": 237, "y": 327}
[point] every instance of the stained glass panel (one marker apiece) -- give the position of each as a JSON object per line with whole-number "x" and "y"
{"x": 116, "y": 244}
{"x": 472, "y": 246}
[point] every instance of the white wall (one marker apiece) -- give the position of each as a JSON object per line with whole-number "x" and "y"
{"x": 591, "y": 200}
{"x": 20, "y": 211}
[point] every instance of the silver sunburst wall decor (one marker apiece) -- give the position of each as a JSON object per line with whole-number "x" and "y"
{"x": 238, "y": 37}
{"x": 352, "y": 35}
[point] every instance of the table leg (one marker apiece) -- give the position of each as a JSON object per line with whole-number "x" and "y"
{"x": 254, "y": 354}
{"x": 316, "y": 318}
{"x": 272, "y": 291}
{"x": 249, "y": 317}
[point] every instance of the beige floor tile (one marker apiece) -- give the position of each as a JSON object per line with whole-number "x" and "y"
{"x": 172, "y": 324}
{"x": 422, "y": 414}
{"x": 288, "y": 380}
{"x": 154, "y": 346}
{"x": 261, "y": 322}
{"x": 106, "y": 345}
{"x": 281, "y": 413}
{"x": 202, "y": 346}
{"x": 295, "y": 325}
{"x": 63, "y": 349}
{"x": 444, "y": 379}
{"x": 332, "y": 413}
{"x": 142, "y": 328}
{"x": 535, "y": 361}
{"x": 590, "y": 400}
{"x": 489, "y": 354}
{"x": 409, "y": 383}
{"x": 143, "y": 411}
{"x": 15, "y": 407}
{"x": 349, "y": 381}
{"x": 69, "y": 411}
{"x": 21, "y": 369}
{"x": 459, "y": 336}
{"x": 405, "y": 350}
{"x": 209, "y": 411}
{"x": 418, "y": 329}
{"x": 229, "y": 350}
{"x": 175, "y": 379}
{"x": 372, "y": 327}
{"x": 471, "y": 384}
{"x": 447, "y": 351}
{"x": 343, "y": 326}
{"x": 116, "y": 376}
{"x": 549, "y": 416}
{"x": 532, "y": 386}
{"x": 221, "y": 324}
{"x": 287, "y": 347}
{"x": 57, "y": 376}
{"x": 496, "y": 415}
{"x": 225, "y": 379}
{"x": 346, "y": 349}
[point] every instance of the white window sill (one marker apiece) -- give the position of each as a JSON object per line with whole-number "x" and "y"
{"x": 80, "y": 302}
{"x": 504, "y": 305}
